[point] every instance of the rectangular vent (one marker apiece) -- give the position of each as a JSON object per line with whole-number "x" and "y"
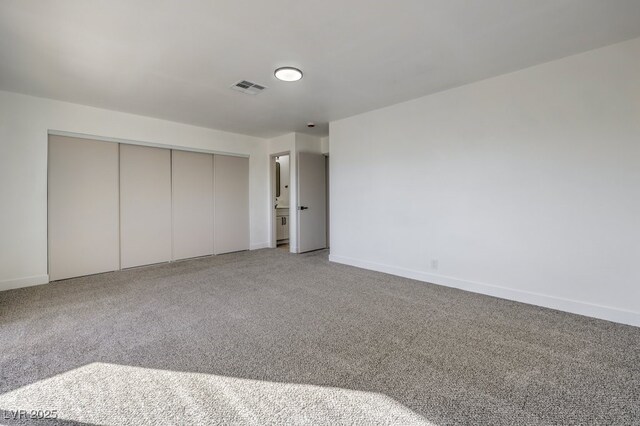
{"x": 248, "y": 87}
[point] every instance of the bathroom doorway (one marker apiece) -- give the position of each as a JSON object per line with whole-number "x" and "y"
{"x": 281, "y": 196}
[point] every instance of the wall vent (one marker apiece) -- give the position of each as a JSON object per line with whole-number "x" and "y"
{"x": 248, "y": 87}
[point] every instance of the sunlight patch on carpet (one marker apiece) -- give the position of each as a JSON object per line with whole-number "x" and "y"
{"x": 111, "y": 394}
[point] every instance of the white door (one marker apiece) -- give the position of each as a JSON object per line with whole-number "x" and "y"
{"x": 192, "y": 201}
{"x": 83, "y": 207}
{"x": 230, "y": 204}
{"x": 312, "y": 199}
{"x": 145, "y": 205}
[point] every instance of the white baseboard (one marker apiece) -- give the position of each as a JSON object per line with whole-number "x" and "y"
{"x": 259, "y": 246}
{"x": 24, "y": 282}
{"x": 573, "y": 306}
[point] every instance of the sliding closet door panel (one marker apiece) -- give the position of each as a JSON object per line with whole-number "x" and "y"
{"x": 145, "y": 205}
{"x": 231, "y": 204}
{"x": 192, "y": 176}
{"x": 82, "y": 207}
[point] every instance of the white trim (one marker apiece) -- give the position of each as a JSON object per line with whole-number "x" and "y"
{"x": 568, "y": 305}
{"x": 24, "y": 282}
{"x": 273, "y": 237}
{"x": 259, "y": 246}
{"x": 141, "y": 143}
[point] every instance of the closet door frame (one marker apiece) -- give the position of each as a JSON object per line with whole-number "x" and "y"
{"x": 120, "y": 142}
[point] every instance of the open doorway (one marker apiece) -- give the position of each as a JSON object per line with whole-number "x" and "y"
{"x": 281, "y": 196}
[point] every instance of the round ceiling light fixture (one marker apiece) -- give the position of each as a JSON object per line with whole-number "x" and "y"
{"x": 288, "y": 74}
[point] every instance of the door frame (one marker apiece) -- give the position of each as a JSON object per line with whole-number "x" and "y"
{"x": 327, "y": 166}
{"x": 273, "y": 241}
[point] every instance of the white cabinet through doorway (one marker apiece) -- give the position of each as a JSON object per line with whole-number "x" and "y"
{"x": 282, "y": 224}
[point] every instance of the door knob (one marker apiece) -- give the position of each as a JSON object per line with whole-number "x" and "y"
{"x": 303, "y": 208}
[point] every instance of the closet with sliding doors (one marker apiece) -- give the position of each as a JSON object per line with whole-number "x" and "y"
{"x": 113, "y": 205}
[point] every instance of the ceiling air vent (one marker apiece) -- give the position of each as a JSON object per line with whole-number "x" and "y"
{"x": 248, "y": 87}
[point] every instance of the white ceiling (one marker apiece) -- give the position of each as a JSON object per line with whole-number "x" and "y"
{"x": 176, "y": 59}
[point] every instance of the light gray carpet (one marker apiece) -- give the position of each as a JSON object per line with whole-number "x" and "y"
{"x": 269, "y": 337}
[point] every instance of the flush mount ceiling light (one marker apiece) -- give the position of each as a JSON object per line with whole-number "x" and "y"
{"x": 288, "y": 74}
